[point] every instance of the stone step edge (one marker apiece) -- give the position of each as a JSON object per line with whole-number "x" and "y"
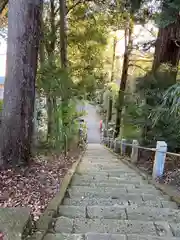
{"x": 124, "y": 213}
{"x": 66, "y": 225}
{"x": 105, "y": 236}
{"x": 162, "y": 203}
{"x": 46, "y": 218}
{"x": 128, "y": 207}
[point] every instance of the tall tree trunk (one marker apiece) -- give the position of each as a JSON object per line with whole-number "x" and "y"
{"x": 64, "y": 61}
{"x": 127, "y": 52}
{"x": 110, "y": 104}
{"x": 167, "y": 49}
{"x": 63, "y": 35}
{"x": 50, "y": 117}
{"x": 37, "y": 115}
{"x": 50, "y": 47}
{"x": 19, "y": 93}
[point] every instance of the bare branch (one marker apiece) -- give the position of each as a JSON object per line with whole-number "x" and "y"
{"x": 137, "y": 66}
{"x": 73, "y": 6}
{"x": 145, "y": 46}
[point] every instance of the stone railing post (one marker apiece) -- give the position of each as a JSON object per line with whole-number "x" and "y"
{"x": 159, "y": 161}
{"x": 134, "y": 153}
{"x": 116, "y": 146}
{"x": 104, "y": 133}
{"x": 104, "y": 136}
{"x": 123, "y": 146}
{"x": 112, "y": 143}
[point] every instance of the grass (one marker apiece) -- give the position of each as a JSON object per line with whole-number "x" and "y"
{"x": 131, "y": 132}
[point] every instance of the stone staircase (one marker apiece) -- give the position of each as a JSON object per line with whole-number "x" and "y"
{"x": 109, "y": 201}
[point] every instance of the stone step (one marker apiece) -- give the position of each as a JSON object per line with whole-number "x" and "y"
{"x": 121, "y": 213}
{"x": 15, "y": 222}
{"x": 146, "y": 237}
{"x": 109, "y": 167}
{"x": 116, "y": 195}
{"x": 84, "y": 225}
{"x": 114, "y": 165}
{"x": 119, "y": 174}
{"x": 100, "y": 158}
{"x": 122, "y": 189}
{"x": 64, "y": 236}
{"x": 101, "y": 178}
{"x": 111, "y": 192}
{"x": 96, "y": 201}
{"x": 153, "y": 214}
{"x": 131, "y": 201}
{"x": 109, "y": 183}
{"x": 101, "y": 236}
{"x": 109, "y": 172}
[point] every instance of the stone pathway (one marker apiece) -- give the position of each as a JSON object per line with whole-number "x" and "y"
{"x": 109, "y": 201}
{"x": 92, "y": 119}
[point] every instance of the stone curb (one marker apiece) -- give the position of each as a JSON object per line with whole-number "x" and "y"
{"x": 46, "y": 218}
{"x": 168, "y": 190}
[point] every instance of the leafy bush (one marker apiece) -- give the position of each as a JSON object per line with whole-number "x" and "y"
{"x": 156, "y": 119}
{"x": 168, "y": 113}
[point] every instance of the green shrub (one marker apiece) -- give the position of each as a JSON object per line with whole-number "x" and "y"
{"x": 155, "y": 126}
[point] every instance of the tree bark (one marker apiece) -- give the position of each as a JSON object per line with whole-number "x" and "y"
{"x": 50, "y": 117}
{"x": 127, "y": 52}
{"x": 19, "y": 92}
{"x": 167, "y": 48}
{"x": 167, "y": 51}
{"x": 110, "y": 105}
{"x": 64, "y": 61}
{"x": 50, "y": 47}
{"x": 63, "y": 35}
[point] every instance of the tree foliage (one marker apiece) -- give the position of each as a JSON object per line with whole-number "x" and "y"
{"x": 73, "y": 64}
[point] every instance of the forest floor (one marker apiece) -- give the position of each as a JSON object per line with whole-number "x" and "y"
{"x": 35, "y": 185}
{"x": 171, "y": 171}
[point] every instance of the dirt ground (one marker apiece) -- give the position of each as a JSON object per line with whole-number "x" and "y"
{"x": 171, "y": 171}
{"x": 35, "y": 185}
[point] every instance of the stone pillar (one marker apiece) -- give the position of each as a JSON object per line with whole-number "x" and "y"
{"x": 159, "y": 161}
{"x": 112, "y": 143}
{"x": 116, "y": 146}
{"x": 123, "y": 146}
{"x": 105, "y": 141}
{"x": 134, "y": 153}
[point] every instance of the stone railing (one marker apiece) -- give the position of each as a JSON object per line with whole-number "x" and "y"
{"x": 120, "y": 146}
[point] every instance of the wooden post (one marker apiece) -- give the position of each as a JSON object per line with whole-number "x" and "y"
{"x": 134, "y": 153}
{"x": 159, "y": 161}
